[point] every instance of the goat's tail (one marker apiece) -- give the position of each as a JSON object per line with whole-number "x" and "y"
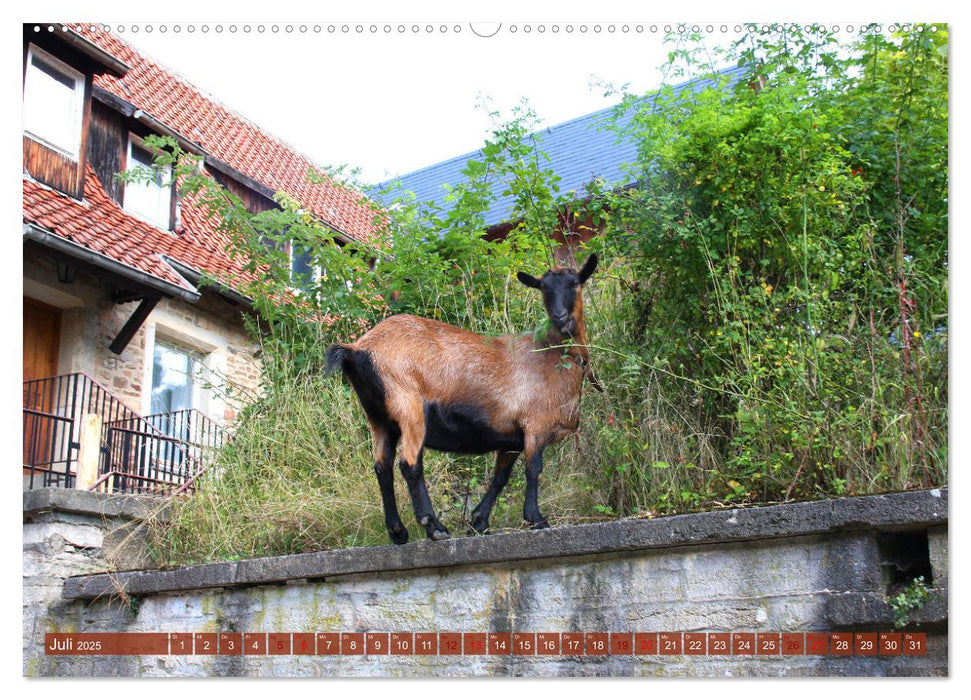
{"x": 338, "y": 356}
{"x": 363, "y": 376}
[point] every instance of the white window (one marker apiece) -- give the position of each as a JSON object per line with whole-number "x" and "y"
{"x": 175, "y": 393}
{"x": 185, "y": 367}
{"x": 150, "y": 200}
{"x": 53, "y": 103}
{"x": 174, "y": 379}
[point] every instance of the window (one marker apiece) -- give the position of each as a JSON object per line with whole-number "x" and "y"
{"x": 175, "y": 392}
{"x": 185, "y": 370}
{"x": 53, "y": 103}
{"x": 303, "y": 273}
{"x": 150, "y": 200}
{"x": 173, "y": 379}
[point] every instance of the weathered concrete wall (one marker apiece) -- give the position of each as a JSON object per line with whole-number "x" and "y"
{"x": 799, "y": 567}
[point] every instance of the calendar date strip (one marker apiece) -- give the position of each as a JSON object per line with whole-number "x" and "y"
{"x": 754, "y": 644}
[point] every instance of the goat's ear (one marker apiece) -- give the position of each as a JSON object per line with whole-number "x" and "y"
{"x": 588, "y": 267}
{"x": 528, "y": 280}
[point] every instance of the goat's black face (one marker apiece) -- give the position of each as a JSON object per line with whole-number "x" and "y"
{"x": 560, "y": 289}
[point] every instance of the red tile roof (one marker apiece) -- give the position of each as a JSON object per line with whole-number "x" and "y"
{"x": 100, "y": 225}
{"x": 103, "y": 227}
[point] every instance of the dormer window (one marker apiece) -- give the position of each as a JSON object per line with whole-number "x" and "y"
{"x": 53, "y": 103}
{"x": 151, "y": 200}
{"x": 303, "y": 272}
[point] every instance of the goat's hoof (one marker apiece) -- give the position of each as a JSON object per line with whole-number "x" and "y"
{"x": 434, "y": 528}
{"x": 479, "y": 527}
{"x": 541, "y": 525}
{"x": 399, "y": 535}
{"x": 438, "y": 532}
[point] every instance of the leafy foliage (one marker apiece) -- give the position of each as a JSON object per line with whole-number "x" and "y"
{"x": 911, "y": 598}
{"x": 789, "y": 254}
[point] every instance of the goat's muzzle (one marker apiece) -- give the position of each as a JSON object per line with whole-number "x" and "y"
{"x": 566, "y": 325}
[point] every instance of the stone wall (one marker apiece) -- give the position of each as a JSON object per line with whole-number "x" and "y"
{"x": 824, "y": 566}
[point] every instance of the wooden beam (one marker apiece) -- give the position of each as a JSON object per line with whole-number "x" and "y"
{"x": 116, "y": 103}
{"x": 229, "y": 171}
{"x": 107, "y": 62}
{"x": 131, "y": 327}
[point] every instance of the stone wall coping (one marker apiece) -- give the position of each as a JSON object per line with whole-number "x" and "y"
{"x": 40, "y": 502}
{"x": 886, "y": 512}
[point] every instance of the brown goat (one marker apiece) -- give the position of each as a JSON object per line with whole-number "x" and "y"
{"x": 424, "y": 383}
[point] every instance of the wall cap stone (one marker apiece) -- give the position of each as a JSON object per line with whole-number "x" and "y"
{"x": 41, "y": 502}
{"x": 910, "y": 510}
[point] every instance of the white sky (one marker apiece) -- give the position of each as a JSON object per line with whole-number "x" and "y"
{"x": 391, "y": 103}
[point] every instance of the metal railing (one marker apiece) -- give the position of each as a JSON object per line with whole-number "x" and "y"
{"x": 138, "y": 454}
{"x": 160, "y": 452}
{"x": 53, "y": 407}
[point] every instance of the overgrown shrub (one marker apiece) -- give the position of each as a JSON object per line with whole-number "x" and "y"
{"x": 789, "y": 254}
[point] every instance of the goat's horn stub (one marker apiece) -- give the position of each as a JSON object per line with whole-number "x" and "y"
{"x": 528, "y": 280}
{"x": 588, "y": 267}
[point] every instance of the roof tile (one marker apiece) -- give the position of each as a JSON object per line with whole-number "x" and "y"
{"x": 578, "y": 151}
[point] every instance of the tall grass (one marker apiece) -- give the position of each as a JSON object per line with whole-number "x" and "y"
{"x": 292, "y": 478}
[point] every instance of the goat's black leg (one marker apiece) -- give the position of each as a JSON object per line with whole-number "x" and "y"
{"x": 414, "y": 475}
{"x": 412, "y": 427}
{"x": 534, "y": 465}
{"x": 385, "y": 441}
{"x": 482, "y": 512}
{"x": 396, "y": 529}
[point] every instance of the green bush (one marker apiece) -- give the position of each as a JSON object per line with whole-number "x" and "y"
{"x": 788, "y": 250}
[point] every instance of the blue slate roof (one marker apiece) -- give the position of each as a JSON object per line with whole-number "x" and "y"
{"x": 579, "y": 151}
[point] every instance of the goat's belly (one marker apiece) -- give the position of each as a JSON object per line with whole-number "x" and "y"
{"x": 466, "y": 429}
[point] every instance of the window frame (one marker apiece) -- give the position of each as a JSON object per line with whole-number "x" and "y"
{"x": 207, "y": 346}
{"x": 318, "y": 270}
{"x": 135, "y": 141}
{"x": 197, "y": 365}
{"x": 315, "y": 275}
{"x": 74, "y": 153}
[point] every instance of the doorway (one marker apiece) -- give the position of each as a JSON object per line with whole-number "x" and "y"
{"x": 41, "y": 341}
